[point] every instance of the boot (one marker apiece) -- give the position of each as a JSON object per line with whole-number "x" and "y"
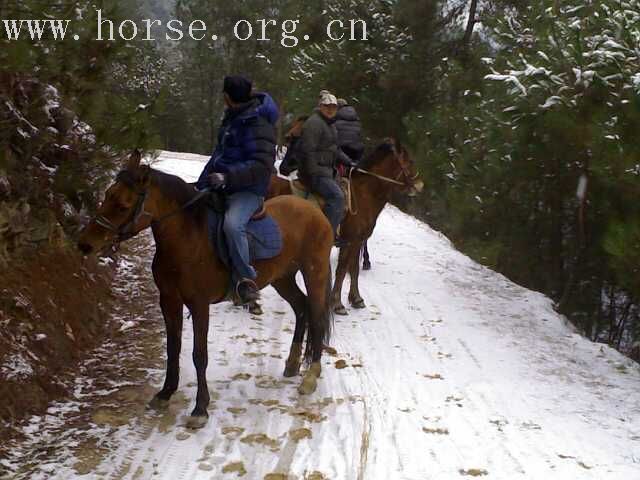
{"x": 338, "y": 241}
{"x": 247, "y": 291}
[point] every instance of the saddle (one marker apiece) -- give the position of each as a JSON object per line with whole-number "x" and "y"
{"x": 265, "y": 238}
{"x": 299, "y": 190}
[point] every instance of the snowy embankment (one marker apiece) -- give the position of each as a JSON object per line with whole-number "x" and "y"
{"x": 451, "y": 370}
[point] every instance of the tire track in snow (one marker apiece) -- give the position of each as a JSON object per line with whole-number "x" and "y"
{"x": 364, "y": 443}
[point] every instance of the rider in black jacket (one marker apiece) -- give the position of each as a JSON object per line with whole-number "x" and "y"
{"x": 349, "y": 130}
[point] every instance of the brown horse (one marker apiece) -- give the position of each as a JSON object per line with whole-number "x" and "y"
{"x": 188, "y": 271}
{"x": 389, "y": 168}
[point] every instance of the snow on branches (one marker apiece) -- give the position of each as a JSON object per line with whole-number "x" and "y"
{"x": 579, "y": 48}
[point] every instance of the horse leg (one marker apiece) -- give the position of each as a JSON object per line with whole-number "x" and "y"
{"x": 288, "y": 289}
{"x": 366, "y": 262}
{"x": 355, "y": 299}
{"x": 171, "y": 306}
{"x": 318, "y": 282}
{"x": 255, "y": 308}
{"x": 200, "y": 314}
{"x": 341, "y": 272}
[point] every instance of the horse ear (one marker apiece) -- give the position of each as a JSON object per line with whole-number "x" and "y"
{"x": 392, "y": 142}
{"x": 144, "y": 175}
{"x": 134, "y": 160}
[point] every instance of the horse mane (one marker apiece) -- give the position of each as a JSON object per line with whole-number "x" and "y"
{"x": 389, "y": 146}
{"x": 295, "y": 129}
{"x": 174, "y": 188}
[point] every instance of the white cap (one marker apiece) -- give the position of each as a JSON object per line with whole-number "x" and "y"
{"x": 328, "y": 99}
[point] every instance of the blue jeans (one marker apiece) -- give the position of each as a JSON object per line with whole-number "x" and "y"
{"x": 240, "y": 208}
{"x": 332, "y": 194}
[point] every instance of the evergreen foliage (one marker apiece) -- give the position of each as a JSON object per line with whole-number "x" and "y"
{"x": 522, "y": 118}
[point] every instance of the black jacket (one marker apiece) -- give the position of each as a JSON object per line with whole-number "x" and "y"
{"x": 246, "y": 147}
{"x": 318, "y": 148}
{"x": 349, "y": 129}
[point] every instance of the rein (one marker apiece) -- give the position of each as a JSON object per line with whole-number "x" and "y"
{"x": 125, "y": 231}
{"x": 199, "y": 196}
{"x": 350, "y": 192}
{"x": 383, "y": 178}
{"x": 404, "y": 171}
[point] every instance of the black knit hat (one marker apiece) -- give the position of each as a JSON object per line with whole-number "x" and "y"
{"x": 238, "y": 88}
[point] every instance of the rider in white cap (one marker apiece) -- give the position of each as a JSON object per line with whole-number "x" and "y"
{"x": 318, "y": 156}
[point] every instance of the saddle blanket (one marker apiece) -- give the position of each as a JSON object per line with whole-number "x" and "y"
{"x": 265, "y": 239}
{"x": 299, "y": 190}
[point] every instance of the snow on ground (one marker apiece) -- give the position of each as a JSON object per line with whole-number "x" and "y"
{"x": 452, "y": 371}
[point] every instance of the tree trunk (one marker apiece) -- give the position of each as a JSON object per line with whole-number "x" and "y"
{"x": 471, "y": 23}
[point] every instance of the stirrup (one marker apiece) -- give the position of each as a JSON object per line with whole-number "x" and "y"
{"x": 252, "y": 297}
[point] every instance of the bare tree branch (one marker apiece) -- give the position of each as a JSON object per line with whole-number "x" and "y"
{"x": 471, "y": 23}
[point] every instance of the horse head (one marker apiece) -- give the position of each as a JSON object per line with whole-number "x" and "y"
{"x": 122, "y": 214}
{"x": 295, "y": 129}
{"x": 408, "y": 173}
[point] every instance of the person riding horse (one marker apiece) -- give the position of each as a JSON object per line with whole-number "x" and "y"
{"x": 290, "y": 161}
{"x": 350, "y": 142}
{"x": 241, "y": 168}
{"x": 349, "y": 130}
{"x": 319, "y": 154}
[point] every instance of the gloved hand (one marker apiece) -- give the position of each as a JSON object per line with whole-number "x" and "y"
{"x": 217, "y": 180}
{"x": 345, "y": 159}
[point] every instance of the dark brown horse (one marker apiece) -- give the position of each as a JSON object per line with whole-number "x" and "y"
{"x": 188, "y": 271}
{"x": 389, "y": 168}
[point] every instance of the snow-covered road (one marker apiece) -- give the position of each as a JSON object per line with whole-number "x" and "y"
{"x": 451, "y": 371}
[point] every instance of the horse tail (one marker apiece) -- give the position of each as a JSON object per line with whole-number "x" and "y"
{"x": 320, "y": 320}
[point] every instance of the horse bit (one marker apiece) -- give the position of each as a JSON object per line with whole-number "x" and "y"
{"x": 126, "y": 230}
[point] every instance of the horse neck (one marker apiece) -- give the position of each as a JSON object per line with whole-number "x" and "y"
{"x": 174, "y": 227}
{"x": 388, "y": 167}
{"x": 379, "y": 189}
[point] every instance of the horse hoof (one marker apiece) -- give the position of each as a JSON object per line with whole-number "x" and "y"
{"x": 157, "y": 403}
{"x": 340, "y": 310}
{"x": 358, "y": 304}
{"x": 366, "y": 266}
{"x": 310, "y": 380}
{"x": 196, "y": 422}
{"x": 255, "y": 309}
{"x": 291, "y": 370}
{"x": 308, "y": 385}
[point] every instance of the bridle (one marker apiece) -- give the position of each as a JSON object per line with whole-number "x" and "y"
{"x": 405, "y": 173}
{"x": 127, "y": 229}
{"x": 409, "y": 180}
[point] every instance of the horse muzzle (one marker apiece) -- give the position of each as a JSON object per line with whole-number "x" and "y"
{"x": 416, "y": 188}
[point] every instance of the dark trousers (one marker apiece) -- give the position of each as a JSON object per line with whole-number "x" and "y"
{"x": 328, "y": 189}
